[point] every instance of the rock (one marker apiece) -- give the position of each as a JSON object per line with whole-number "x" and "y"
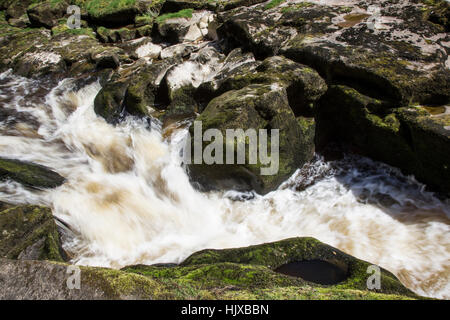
{"x": 46, "y": 14}
{"x": 177, "y": 5}
{"x": 194, "y": 34}
{"x": 255, "y": 30}
{"x": 30, "y": 55}
{"x": 253, "y": 107}
{"x": 143, "y": 90}
{"x": 5, "y": 205}
{"x": 178, "y": 50}
{"x": 29, "y": 174}
{"x": 135, "y": 90}
{"x": 120, "y": 35}
{"x": 211, "y": 5}
{"x": 201, "y": 66}
{"x": 29, "y": 233}
{"x": 438, "y": 12}
{"x": 237, "y": 62}
{"x": 409, "y": 138}
{"x": 37, "y": 52}
{"x": 182, "y": 105}
{"x": 429, "y": 136}
{"x": 303, "y": 84}
{"x": 184, "y": 25}
{"x": 276, "y": 254}
{"x": 15, "y": 9}
{"x": 398, "y": 58}
{"x": 116, "y": 14}
{"x": 242, "y": 273}
{"x": 21, "y": 22}
{"x": 44, "y": 280}
{"x": 149, "y": 50}
{"x": 109, "y": 101}
{"x": 106, "y": 35}
{"x": 232, "y": 4}
{"x": 174, "y": 30}
{"x": 106, "y": 58}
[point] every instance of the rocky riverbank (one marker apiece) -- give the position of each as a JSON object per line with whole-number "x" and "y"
{"x": 369, "y": 77}
{"x": 29, "y": 235}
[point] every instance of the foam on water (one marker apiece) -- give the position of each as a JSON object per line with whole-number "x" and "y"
{"x": 128, "y": 200}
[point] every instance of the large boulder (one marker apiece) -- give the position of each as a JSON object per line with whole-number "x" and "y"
{"x": 116, "y": 13}
{"x": 304, "y": 85}
{"x": 415, "y": 139}
{"x": 293, "y": 251}
{"x": 29, "y": 233}
{"x": 47, "y": 13}
{"x": 429, "y": 136}
{"x": 275, "y": 270}
{"x": 29, "y": 174}
{"x": 44, "y": 280}
{"x": 262, "y": 106}
{"x": 134, "y": 90}
{"x": 182, "y": 80}
{"x": 185, "y": 25}
{"x": 15, "y": 8}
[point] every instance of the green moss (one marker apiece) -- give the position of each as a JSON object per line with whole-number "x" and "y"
{"x": 143, "y": 20}
{"x": 62, "y": 28}
{"x": 272, "y": 4}
{"x": 101, "y": 7}
{"x": 185, "y": 13}
{"x": 247, "y": 273}
{"x": 29, "y": 174}
{"x": 308, "y": 293}
{"x": 26, "y": 226}
{"x": 297, "y": 7}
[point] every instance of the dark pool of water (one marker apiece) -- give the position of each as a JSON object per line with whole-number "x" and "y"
{"x": 317, "y": 271}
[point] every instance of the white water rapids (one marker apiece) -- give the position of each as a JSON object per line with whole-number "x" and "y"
{"x": 128, "y": 200}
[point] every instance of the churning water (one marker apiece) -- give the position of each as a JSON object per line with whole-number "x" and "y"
{"x": 128, "y": 200}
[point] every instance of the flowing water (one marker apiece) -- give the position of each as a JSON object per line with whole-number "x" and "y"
{"x": 128, "y": 200}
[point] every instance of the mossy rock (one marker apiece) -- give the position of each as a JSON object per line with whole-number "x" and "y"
{"x": 303, "y": 85}
{"x": 438, "y": 12}
{"x": 171, "y": 6}
{"x": 409, "y": 138}
{"x": 29, "y": 233}
{"x": 253, "y": 107}
{"x": 109, "y": 101}
{"x": 15, "y": 9}
{"x": 133, "y": 90}
{"x": 429, "y": 136}
{"x": 29, "y": 174}
{"x": 182, "y": 104}
{"x": 47, "y": 13}
{"x": 117, "y": 13}
{"x": 251, "y": 273}
{"x": 39, "y": 280}
{"x": 243, "y": 273}
{"x": 276, "y": 254}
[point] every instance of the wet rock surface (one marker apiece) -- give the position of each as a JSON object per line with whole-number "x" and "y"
{"x": 30, "y": 233}
{"x": 29, "y": 174}
{"x": 209, "y": 274}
